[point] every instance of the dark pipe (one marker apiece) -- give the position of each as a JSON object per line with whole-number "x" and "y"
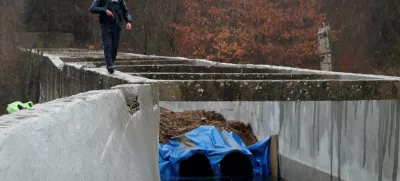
{"x": 236, "y": 165}
{"x": 197, "y": 165}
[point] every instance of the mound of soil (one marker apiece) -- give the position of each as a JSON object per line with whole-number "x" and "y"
{"x": 175, "y": 124}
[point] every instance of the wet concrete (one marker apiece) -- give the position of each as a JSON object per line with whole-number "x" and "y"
{"x": 232, "y": 76}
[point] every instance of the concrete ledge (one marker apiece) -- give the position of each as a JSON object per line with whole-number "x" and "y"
{"x": 293, "y": 170}
{"x": 225, "y": 90}
{"x": 190, "y": 68}
{"x": 342, "y": 75}
{"x": 232, "y": 76}
{"x": 123, "y": 59}
{"x": 98, "y": 54}
{"x": 70, "y": 79}
{"x": 100, "y": 61}
{"x": 136, "y": 62}
{"x": 81, "y": 53}
{"x": 89, "y": 136}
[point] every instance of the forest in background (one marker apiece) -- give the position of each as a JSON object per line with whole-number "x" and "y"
{"x": 284, "y": 32}
{"x": 239, "y": 31}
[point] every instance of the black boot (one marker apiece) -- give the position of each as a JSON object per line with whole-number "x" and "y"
{"x": 110, "y": 69}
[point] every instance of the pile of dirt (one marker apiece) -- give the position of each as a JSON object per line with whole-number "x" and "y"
{"x": 175, "y": 124}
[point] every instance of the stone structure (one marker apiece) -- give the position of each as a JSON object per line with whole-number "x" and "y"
{"x": 330, "y": 125}
{"x": 89, "y": 136}
{"x": 325, "y": 48}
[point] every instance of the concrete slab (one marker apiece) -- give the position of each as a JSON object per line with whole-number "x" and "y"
{"x": 138, "y": 63}
{"x": 342, "y": 75}
{"x": 146, "y": 62}
{"x": 98, "y": 54}
{"x": 100, "y": 61}
{"x": 190, "y": 68}
{"x": 125, "y": 58}
{"x": 73, "y": 78}
{"x": 232, "y": 76}
{"x": 90, "y": 136}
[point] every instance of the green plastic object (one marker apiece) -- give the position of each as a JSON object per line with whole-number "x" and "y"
{"x": 29, "y": 104}
{"x": 17, "y": 105}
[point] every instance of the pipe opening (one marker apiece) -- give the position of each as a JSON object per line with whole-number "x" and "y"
{"x": 236, "y": 165}
{"x": 197, "y": 165}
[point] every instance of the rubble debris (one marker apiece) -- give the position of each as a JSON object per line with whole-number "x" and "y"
{"x": 178, "y": 123}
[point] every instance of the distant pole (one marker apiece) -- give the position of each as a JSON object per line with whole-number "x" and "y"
{"x": 324, "y": 48}
{"x": 274, "y": 157}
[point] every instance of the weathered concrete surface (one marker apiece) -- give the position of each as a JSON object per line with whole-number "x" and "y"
{"x": 232, "y": 76}
{"x": 342, "y": 75}
{"x": 350, "y": 140}
{"x": 101, "y": 62}
{"x": 89, "y": 136}
{"x": 190, "y": 68}
{"x": 60, "y": 80}
{"x": 276, "y": 90}
{"x": 136, "y": 62}
{"x": 320, "y": 133}
{"x": 355, "y": 140}
{"x": 125, "y": 58}
{"x": 79, "y": 53}
{"x": 98, "y": 54}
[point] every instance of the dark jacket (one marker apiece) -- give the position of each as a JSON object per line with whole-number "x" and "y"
{"x": 117, "y": 7}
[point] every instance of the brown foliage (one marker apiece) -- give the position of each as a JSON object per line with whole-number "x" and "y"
{"x": 238, "y": 31}
{"x": 250, "y": 31}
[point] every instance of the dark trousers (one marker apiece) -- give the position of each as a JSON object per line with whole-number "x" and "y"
{"x": 110, "y": 34}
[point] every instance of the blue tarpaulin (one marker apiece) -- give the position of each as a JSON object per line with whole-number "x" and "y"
{"x": 215, "y": 145}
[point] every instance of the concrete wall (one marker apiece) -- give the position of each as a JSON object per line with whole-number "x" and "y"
{"x": 79, "y": 53}
{"x": 90, "y": 136}
{"x": 59, "y": 79}
{"x": 352, "y": 140}
{"x": 278, "y": 90}
{"x": 341, "y": 75}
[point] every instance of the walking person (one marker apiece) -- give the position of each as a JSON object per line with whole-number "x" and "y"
{"x": 112, "y": 14}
